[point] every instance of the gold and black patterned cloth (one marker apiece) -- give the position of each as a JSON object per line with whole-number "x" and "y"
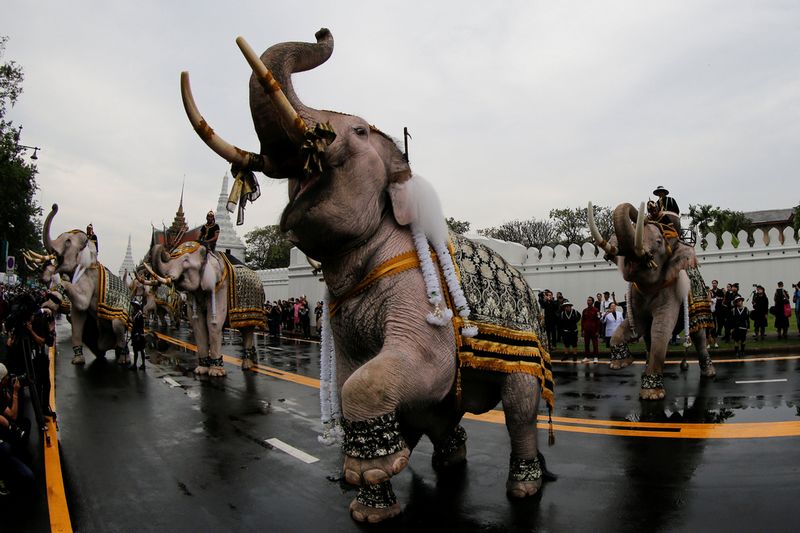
{"x": 245, "y": 297}
{"x": 506, "y": 312}
{"x": 113, "y": 298}
{"x": 700, "y": 317}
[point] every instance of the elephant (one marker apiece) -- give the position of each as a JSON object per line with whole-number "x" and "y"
{"x": 401, "y": 371}
{"x": 220, "y": 293}
{"x": 662, "y": 272}
{"x": 99, "y": 302}
{"x": 159, "y": 300}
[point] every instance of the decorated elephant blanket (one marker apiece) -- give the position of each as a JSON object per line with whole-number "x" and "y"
{"x": 245, "y": 297}
{"x": 506, "y": 312}
{"x": 113, "y": 297}
{"x": 700, "y": 317}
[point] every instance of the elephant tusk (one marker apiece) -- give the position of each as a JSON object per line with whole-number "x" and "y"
{"x": 316, "y": 265}
{"x": 230, "y": 153}
{"x": 297, "y": 127}
{"x": 638, "y": 241}
{"x": 165, "y": 281}
{"x": 601, "y": 242}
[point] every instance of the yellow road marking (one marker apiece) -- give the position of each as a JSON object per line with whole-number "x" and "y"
{"x": 625, "y": 428}
{"x": 56, "y": 496}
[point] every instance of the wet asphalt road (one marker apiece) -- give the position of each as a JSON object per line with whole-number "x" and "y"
{"x": 161, "y": 450}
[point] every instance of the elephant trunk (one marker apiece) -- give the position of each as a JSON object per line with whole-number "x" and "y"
{"x": 609, "y": 248}
{"x": 46, "y": 240}
{"x": 624, "y": 217}
{"x": 276, "y": 124}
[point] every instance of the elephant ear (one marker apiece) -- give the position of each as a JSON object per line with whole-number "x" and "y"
{"x": 415, "y": 201}
{"x": 683, "y": 257}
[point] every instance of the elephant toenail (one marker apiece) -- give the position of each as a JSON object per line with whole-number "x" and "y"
{"x": 399, "y": 464}
{"x": 352, "y": 477}
{"x": 374, "y": 476}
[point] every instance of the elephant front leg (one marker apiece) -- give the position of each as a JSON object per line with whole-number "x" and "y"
{"x": 375, "y": 450}
{"x": 215, "y": 321}
{"x": 201, "y": 338}
{"x": 653, "y": 377}
{"x": 78, "y": 321}
{"x": 620, "y": 354}
{"x": 520, "y": 395}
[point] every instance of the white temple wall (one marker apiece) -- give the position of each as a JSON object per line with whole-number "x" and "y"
{"x": 577, "y": 271}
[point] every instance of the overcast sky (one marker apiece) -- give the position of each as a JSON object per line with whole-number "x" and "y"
{"x": 514, "y": 107}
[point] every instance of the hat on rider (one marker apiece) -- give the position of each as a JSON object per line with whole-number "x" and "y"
{"x": 3, "y": 371}
{"x": 660, "y": 190}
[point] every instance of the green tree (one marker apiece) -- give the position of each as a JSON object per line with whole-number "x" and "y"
{"x": 529, "y": 233}
{"x": 20, "y": 223}
{"x": 457, "y": 226}
{"x": 572, "y": 225}
{"x": 267, "y": 247}
{"x": 702, "y": 217}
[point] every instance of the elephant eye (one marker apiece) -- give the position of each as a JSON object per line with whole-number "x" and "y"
{"x": 360, "y": 130}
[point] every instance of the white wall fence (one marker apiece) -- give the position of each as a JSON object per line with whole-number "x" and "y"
{"x": 579, "y": 270}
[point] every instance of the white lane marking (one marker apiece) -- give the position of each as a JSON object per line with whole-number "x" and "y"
{"x": 291, "y": 450}
{"x": 761, "y": 381}
{"x": 171, "y": 382}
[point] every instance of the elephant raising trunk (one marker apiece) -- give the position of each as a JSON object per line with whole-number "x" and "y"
{"x": 281, "y": 120}
{"x": 46, "y": 240}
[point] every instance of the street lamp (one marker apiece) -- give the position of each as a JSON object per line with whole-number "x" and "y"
{"x": 34, "y": 148}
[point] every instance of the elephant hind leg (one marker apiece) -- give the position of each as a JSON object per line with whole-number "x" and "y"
{"x": 520, "y": 395}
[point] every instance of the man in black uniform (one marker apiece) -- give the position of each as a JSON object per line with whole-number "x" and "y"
{"x": 665, "y": 202}
{"x": 92, "y": 237}
{"x": 209, "y": 233}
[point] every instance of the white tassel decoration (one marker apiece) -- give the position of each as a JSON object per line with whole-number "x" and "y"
{"x": 688, "y": 341}
{"x": 330, "y": 407}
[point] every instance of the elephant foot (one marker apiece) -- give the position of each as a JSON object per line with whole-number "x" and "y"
{"x": 616, "y": 364}
{"x": 374, "y": 504}
{"x": 524, "y": 477}
{"x": 78, "y": 360}
{"x": 522, "y": 489}
{"x": 652, "y": 387}
{"x": 247, "y": 364}
{"x": 123, "y": 359}
{"x": 374, "y": 450}
{"x": 707, "y": 369}
{"x": 652, "y": 394}
{"x": 201, "y": 370}
{"x": 361, "y": 472}
{"x": 217, "y": 371}
{"x": 452, "y": 452}
{"x": 620, "y": 356}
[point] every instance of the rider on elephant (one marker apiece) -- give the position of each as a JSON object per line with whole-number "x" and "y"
{"x": 209, "y": 232}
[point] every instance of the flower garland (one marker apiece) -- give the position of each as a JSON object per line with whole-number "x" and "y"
{"x": 328, "y": 386}
{"x": 437, "y": 317}
{"x": 688, "y": 342}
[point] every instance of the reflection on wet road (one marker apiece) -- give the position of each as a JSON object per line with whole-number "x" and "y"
{"x": 591, "y": 398}
{"x": 164, "y": 450}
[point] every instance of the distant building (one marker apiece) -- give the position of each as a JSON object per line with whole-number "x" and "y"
{"x": 771, "y": 218}
{"x": 228, "y": 241}
{"x": 127, "y": 264}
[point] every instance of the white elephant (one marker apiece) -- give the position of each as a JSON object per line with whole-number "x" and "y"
{"x": 219, "y": 294}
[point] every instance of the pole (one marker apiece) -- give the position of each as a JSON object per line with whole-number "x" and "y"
{"x": 406, "y": 137}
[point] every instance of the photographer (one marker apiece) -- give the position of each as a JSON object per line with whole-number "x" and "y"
{"x": 9, "y": 407}
{"x": 31, "y": 330}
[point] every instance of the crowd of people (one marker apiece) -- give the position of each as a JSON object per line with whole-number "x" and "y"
{"x": 292, "y": 316}
{"x": 734, "y": 315}
{"x": 27, "y": 331}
